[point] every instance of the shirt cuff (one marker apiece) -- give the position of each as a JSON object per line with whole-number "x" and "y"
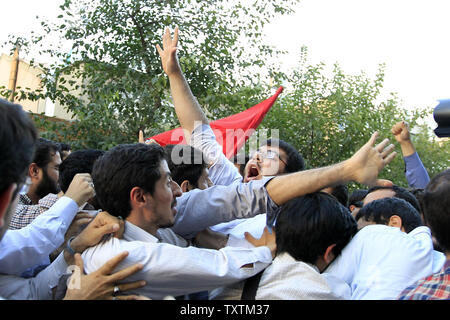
{"x": 68, "y": 206}
{"x": 412, "y": 159}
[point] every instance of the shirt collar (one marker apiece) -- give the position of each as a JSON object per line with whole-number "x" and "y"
{"x": 25, "y": 199}
{"x": 134, "y": 233}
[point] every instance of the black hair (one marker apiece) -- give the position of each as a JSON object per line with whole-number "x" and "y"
{"x": 295, "y": 161}
{"x": 80, "y": 161}
{"x": 381, "y": 210}
{"x": 121, "y": 169}
{"x": 418, "y": 193}
{"x": 356, "y": 198}
{"x": 185, "y": 163}
{"x": 340, "y": 192}
{"x": 45, "y": 149}
{"x": 18, "y": 137}
{"x": 308, "y": 225}
{"x": 401, "y": 193}
{"x": 64, "y": 146}
{"x": 436, "y": 207}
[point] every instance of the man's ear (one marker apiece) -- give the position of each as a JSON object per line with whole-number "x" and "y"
{"x": 33, "y": 171}
{"x": 137, "y": 198}
{"x": 324, "y": 260}
{"x": 395, "y": 221}
{"x": 352, "y": 207}
{"x": 185, "y": 186}
{"x": 5, "y": 201}
{"x": 328, "y": 256}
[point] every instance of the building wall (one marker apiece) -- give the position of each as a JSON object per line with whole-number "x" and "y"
{"x": 28, "y": 80}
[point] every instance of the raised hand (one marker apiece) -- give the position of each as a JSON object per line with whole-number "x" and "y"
{"x": 365, "y": 165}
{"x": 168, "y": 53}
{"x": 401, "y": 131}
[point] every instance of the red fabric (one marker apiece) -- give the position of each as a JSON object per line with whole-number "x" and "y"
{"x": 239, "y": 127}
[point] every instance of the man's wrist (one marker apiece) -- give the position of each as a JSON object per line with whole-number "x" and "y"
{"x": 74, "y": 245}
{"x": 407, "y": 148}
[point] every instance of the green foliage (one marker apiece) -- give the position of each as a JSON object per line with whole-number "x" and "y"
{"x": 106, "y": 71}
{"x": 328, "y": 117}
{"x": 110, "y": 76}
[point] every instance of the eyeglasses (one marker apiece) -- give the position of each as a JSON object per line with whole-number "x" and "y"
{"x": 269, "y": 154}
{"x": 25, "y": 187}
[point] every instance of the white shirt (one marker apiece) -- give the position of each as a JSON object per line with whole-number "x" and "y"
{"x": 380, "y": 261}
{"x": 171, "y": 270}
{"x": 222, "y": 171}
{"x": 289, "y": 279}
{"x": 30, "y": 246}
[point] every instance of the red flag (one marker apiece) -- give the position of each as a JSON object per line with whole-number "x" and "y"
{"x": 231, "y": 132}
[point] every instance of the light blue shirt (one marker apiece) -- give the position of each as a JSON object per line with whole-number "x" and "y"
{"x": 415, "y": 173}
{"x": 37, "y": 288}
{"x": 171, "y": 270}
{"x": 30, "y": 246}
{"x": 380, "y": 261}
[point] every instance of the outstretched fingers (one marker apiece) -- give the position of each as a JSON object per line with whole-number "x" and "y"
{"x": 111, "y": 264}
{"x": 389, "y": 157}
{"x": 387, "y": 150}
{"x": 124, "y": 273}
{"x": 382, "y": 145}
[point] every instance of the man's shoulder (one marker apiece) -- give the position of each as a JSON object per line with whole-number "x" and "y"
{"x": 96, "y": 256}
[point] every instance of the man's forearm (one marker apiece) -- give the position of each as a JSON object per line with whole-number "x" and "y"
{"x": 407, "y": 148}
{"x": 186, "y": 106}
{"x": 281, "y": 189}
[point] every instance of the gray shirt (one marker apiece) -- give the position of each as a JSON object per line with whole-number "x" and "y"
{"x": 200, "y": 209}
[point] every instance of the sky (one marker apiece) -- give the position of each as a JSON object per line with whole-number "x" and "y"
{"x": 411, "y": 37}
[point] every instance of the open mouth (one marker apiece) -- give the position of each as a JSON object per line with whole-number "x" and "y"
{"x": 253, "y": 173}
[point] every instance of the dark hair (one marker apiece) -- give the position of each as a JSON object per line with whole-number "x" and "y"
{"x": 401, "y": 193}
{"x": 418, "y": 193}
{"x": 436, "y": 207}
{"x": 18, "y": 137}
{"x": 381, "y": 210}
{"x": 45, "y": 149}
{"x": 80, "y": 161}
{"x": 185, "y": 163}
{"x": 356, "y": 198}
{"x": 64, "y": 146}
{"x": 121, "y": 169}
{"x": 295, "y": 161}
{"x": 340, "y": 192}
{"x": 307, "y": 225}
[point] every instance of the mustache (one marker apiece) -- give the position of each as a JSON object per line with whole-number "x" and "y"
{"x": 174, "y": 203}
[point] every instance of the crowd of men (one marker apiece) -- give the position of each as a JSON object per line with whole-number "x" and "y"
{"x": 141, "y": 221}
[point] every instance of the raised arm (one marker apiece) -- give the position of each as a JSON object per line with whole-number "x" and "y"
{"x": 363, "y": 167}
{"x": 186, "y": 106}
{"x": 415, "y": 173}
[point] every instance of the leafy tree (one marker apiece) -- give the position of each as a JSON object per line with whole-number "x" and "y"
{"x": 106, "y": 70}
{"x": 329, "y": 117}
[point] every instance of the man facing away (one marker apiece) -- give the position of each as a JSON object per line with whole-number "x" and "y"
{"x": 436, "y": 208}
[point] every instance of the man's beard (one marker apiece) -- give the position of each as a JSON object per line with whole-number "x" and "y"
{"x": 46, "y": 186}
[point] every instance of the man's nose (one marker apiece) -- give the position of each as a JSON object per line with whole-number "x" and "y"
{"x": 176, "y": 189}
